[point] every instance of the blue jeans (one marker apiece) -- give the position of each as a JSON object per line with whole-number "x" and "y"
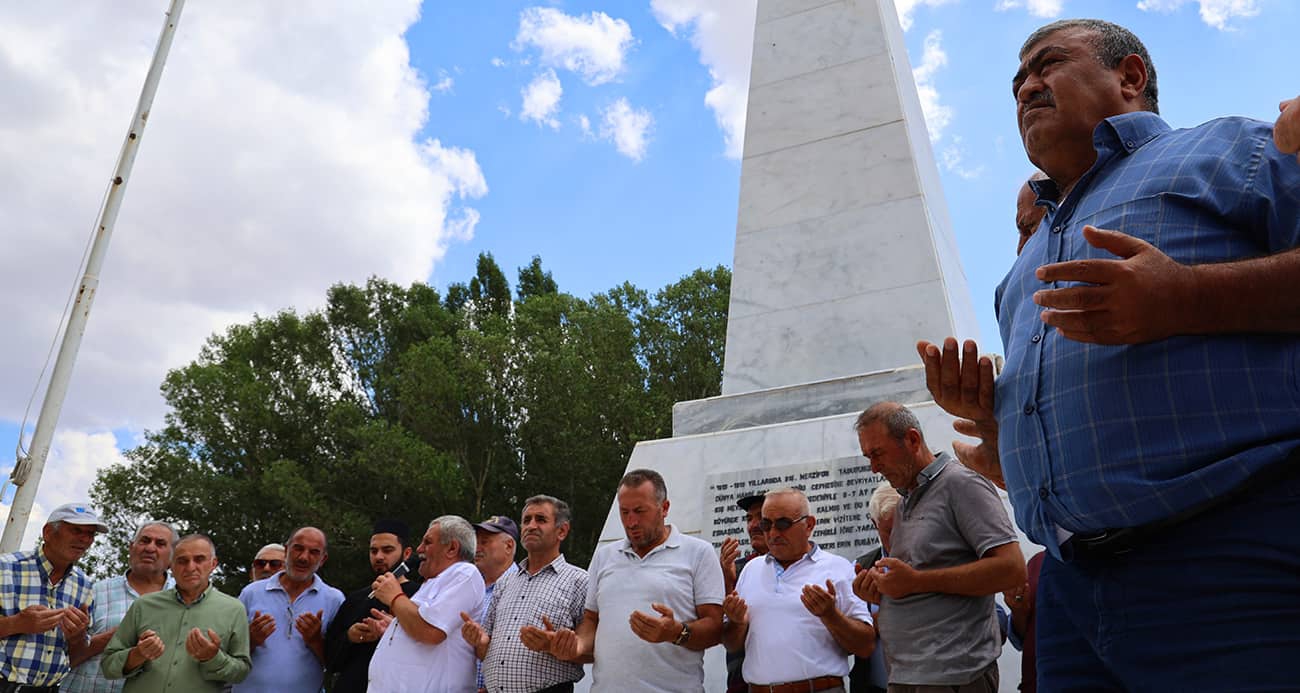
{"x": 1210, "y": 605}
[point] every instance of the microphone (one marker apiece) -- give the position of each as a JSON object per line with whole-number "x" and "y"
{"x": 399, "y": 571}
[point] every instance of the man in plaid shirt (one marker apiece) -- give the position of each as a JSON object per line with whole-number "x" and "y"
{"x": 148, "y": 557}
{"x": 44, "y": 602}
{"x": 516, "y": 640}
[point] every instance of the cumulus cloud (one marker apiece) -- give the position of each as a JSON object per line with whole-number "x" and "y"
{"x": 584, "y": 124}
{"x": 905, "y": 8}
{"x": 270, "y": 170}
{"x": 1037, "y": 8}
{"x": 1215, "y": 13}
{"x": 70, "y": 469}
{"x": 541, "y": 100}
{"x": 953, "y": 158}
{"x": 593, "y": 45}
{"x": 937, "y": 114}
{"x": 627, "y": 127}
{"x": 722, "y": 31}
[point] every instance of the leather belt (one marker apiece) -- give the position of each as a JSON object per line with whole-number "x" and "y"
{"x": 1117, "y": 542}
{"x": 11, "y": 687}
{"x": 820, "y": 683}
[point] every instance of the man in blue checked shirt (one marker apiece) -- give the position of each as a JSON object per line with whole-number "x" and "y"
{"x": 148, "y": 557}
{"x": 44, "y": 602}
{"x": 1149, "y": 409}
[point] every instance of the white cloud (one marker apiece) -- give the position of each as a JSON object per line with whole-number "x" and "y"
{"x": 953, "y": 159}
{"x": 1216, "y": 13}
{"x": 498, "y": 62}
{"x": 905, "y": 8}
{"x": 937, "y": 115}
{"x": 542, "y": 100}
{"x": 722, "y": 31}
{"x": 270, "y": 170}
{"x": 444, "y": 83}
{"x": 75, "y": 457}
{"x": 628, "y": 128}
{"x": 1036, "y": 8}
{"x": 593, "y": 45}
{"x": 584, "y": 124}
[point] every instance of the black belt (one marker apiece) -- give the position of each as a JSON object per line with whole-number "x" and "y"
{"x": 1117, "y": 542}
{"x": 11, "y": 687}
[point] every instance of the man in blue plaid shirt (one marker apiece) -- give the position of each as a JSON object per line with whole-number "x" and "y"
{"x": 44, "y": 602}
{"x": 1148, "y": 416}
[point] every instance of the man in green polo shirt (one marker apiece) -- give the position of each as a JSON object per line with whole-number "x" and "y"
{"x": 188, "y": 638}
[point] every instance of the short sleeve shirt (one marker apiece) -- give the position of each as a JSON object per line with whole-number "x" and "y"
{"x": 786, "y": 642}
{"x": 284, "y": 663}
{"x": 402, "y": 664}
{"x": 952, "y": 518}
{"x": 557, "y": 591}
{"x": 40, "y": 659}
{"x": 682, "y": 573}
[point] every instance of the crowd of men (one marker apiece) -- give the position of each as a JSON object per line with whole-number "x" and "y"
{"x": 1147, "y": 413}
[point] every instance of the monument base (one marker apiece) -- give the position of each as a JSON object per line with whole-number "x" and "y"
{"x": 758, "y": 441}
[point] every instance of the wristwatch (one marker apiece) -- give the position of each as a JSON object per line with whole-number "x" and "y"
{"x": 683, "y": 636}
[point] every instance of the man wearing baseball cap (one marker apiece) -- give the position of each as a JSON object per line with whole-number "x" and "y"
{"x": 494, "y": 555}
{"x": 732, "y": 564}
{"x": 44, "y": 602}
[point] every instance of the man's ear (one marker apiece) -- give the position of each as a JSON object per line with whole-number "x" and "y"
{"x": 1133, "y": 77}
{"x": 406, "y": 553}
{"x": 563, "y": 530}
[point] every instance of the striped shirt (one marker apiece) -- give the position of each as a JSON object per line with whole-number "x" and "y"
{"x": 558, "y": 591}
{"x": 40, "y": 659}
{"x": 1097, "y": 437}
{"x": 112, "y": 598}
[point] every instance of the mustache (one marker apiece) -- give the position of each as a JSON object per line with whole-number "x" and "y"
{"x": 1042, "y": 97}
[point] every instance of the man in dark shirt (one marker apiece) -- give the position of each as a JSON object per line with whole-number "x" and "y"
{"x": 350, "y": 642}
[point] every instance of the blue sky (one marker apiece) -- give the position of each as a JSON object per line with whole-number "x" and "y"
{"x": 293, "y": 148}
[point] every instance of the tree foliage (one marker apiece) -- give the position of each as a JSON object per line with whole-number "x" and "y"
{"x": 399, "y": 402}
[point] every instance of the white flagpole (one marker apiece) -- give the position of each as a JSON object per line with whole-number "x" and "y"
{"x": 27, "y": 473}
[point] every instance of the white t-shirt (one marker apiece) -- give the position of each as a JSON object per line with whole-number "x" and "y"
{"x": 785, "y": 641}
{"x": 682, "y": 573}
{"x": 402, "y": 664}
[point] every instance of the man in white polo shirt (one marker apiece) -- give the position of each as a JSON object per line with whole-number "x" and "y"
{"x": 654, "y": 601}
{"x": 794, "y": 611}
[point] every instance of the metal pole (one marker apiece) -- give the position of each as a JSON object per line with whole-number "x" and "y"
{"x": 27, "y": 473}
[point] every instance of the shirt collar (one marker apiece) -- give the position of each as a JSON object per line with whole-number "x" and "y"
{"x": 554, "y": 566}
{"x": 273, "y": 583}
{"x": 198, "y": 601}
{"x": 925, "y": 476}
{"x": 47, "y": 568}
{"x": 814, "y": 555}
{"x": 168, "y": 582}
{"x": 1127, "y": 132}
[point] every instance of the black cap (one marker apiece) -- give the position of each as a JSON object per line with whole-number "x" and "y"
{"x": 392, "y": 526}
{"x": 749, "y": 501}
{"x": 498, "y": 524}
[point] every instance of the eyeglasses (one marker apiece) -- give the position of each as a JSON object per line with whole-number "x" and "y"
{"x": 260, "y": 563}
{"x": 780, "y": 524}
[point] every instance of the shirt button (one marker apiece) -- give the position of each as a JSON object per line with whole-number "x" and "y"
{"x": 1036, "y": 338}
{"x": 1042, "y": 493}
{"x": 1029, "y": 409}
{"x": 1056, "y": 229}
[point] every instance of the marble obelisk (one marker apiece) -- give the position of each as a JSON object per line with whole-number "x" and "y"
{"x": 845, "y": 257}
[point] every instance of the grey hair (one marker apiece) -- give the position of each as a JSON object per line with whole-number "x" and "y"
{"x": 456, "y": 528}
{"x": 272, "y": 547}
{"x": 563, "y": 514}
{"x": 197, "y": 537}
{"x": 804, "y": 508}
{"x": 636, "y": 477}
{"x": 175, "y": 536}
{"x": 898, "y": 419}
{"x": 884, "y": 500}
{"x": 1112, "y": 44}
